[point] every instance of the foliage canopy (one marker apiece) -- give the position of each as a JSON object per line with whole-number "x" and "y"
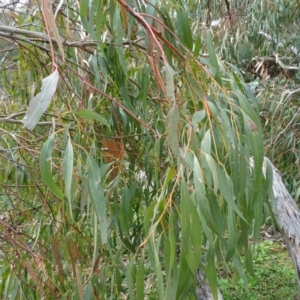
{"x": 126, "y": 148}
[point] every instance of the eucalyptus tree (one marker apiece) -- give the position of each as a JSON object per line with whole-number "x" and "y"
{"x": 125, "y": 153}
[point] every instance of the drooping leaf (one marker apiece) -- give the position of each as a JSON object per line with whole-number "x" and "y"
{"x": 97, "y": 195}
{"x": 184, "y": 28}
{"x": 233, "y": 234}
{"x": 140, "y": 280}
{"x": 201, "y": 200}
{"x": 206, "y": 142}
{"x": 213, "y": 59}
{"x": 172, "y": 129}
{"x": 191, "y": 238}
{"x": 226, "y": 189}
{"x": 131, "y": 269}
{"x": 49, "y": 19}
{"x": 150, "y": 9}
{"x": 91, "y": 115}
{"x": 211, "y": 272}
{"x": 213, "y": 169}
{"x": 197, "y": 118}
{"x": 68, "y": 173}
{"x": 170, "y": 83}
{"x": 156, "y": 264}
{"x": 45, "y": 167}
{"x": 41, "y": 101}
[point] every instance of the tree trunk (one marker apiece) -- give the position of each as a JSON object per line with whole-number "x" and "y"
{"x": 287, "y": 215}
{"x": 204, "y": 291}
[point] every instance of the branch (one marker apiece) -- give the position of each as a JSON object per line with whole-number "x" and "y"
{"x": 28, "y": 33}
{"x": 277, "y": 60}
{"x": 19, "y": 34}
{"x": 11, "y": 119}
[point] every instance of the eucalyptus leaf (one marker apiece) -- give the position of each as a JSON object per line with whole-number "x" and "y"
{"x": 39, "y": 104}
{"x": 172, "y": 129}
{"x": 68, "y": 173}
{"x": 91, "y": 115}
{"x": 45, "y": 167}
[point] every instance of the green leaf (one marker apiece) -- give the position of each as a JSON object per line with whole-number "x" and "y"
{"x": 150, "y": 10}
{"x": 88, "y": 293}
{"x": 213, "y": 169}
{"x": 201, "y": 201}
{"x": 170, "y": 252}
{"x": 206, "y": 142}
{"x": 213, "y": 59}
{"x": 125, "y": 217}
{"x": 233, "y": 234}
{"x": 94, "y": 64}
{"x": 172, "y": 129}
{"x": 103, "y": 69}
{"x": 249, "y": 262}
{"x": 96, "y": 194}
{"x": 184, "y": 28}
{"x": 238, "y": 266}
{"x": 218, "y": 217}
{"x": 185, "y": 279}
{"x": 39, "y": 104}
{"x": 140, "y": 280}
{"x": 154, "y": 258}
{"x": 170, "y": 83}
{"x": 68, "y": 173}
{"x": 14, "y": 289}
{"x": 130, "y": 274}
{"x": 198, "y": 116}
{"x": 211, "y": 273}
{"x": 191, "y": 239}
{"x": 226, "y": 189}
{"x": 197, "y": 46}
{"x": 91, "y": 115}
{"x": 45, "y": 168}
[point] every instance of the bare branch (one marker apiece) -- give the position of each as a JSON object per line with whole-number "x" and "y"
{"x": 11, "y": 119}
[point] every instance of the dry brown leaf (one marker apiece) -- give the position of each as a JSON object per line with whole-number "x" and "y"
{"x": 124, "y": 18}
{"x": 55, "y": 249}
{"x": 113, "y": 152}
{"x": 32, "y": 273}
{"x": 158, "y": 76}
{"x": 50, "y": 21}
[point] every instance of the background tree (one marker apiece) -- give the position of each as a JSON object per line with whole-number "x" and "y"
{"x": 126, "y": 145}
